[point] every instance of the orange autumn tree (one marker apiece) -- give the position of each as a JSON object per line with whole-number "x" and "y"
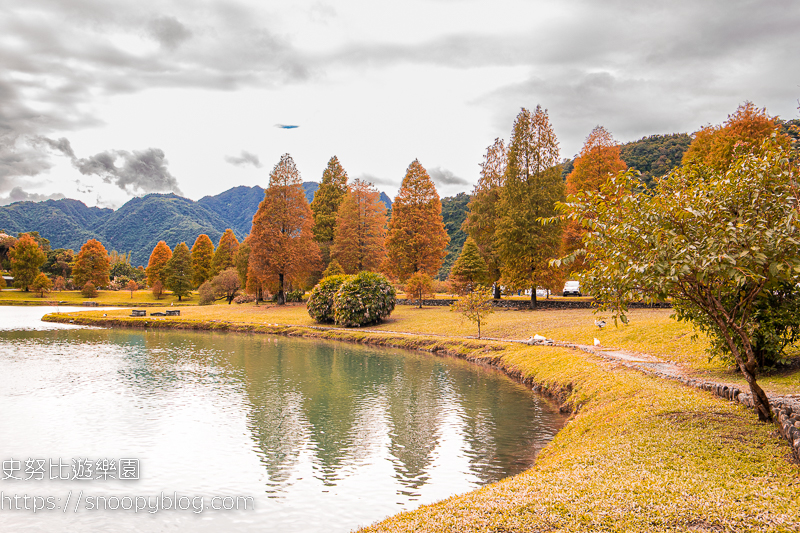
{"x": 91, "y": 264}
{"x": 417, "y": 239}
{"x": 282, "y": 245}
{"x": 226, "y": 252}
{"x": 599, "y": 157}
{"x": 202, "y": 257}
{"x": 360, "y": 232}
{"x": 155, "y": 266}
{"x": 745, "y": 129}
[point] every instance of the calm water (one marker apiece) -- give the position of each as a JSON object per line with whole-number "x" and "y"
{"x": 320, "y": 436}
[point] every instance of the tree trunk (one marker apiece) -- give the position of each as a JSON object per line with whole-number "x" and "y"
{"x": 281, "y": 294}
{"x": 533, "y": 298}
{"x": 497, "y": 294}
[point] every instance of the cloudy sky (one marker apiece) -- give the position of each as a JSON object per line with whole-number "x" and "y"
{"x": 104, "y": 100}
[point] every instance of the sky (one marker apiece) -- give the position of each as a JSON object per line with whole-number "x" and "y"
{"x": 102, "y": 101}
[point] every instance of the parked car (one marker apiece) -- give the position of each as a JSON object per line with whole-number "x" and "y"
{"x": 542, "y": 293}
{"x": 572, "y": 288}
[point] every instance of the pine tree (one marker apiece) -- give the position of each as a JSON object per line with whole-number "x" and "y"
{"x": 178, "y": 271}
{"x": 282, "y": 244}
{"x": 325, "y": 205}
{"x": 202, "y": 256}
{"x": 481, "y": 222}
{"x": 469, "y": 270}
{"x": 359, "y": 239}
{"x": 599, "y": 157}
{"x": 417, "y": 239}
{"x": 92, "y": 264}
{"x": 532, "y": 186}
{"x": 155, "y": 266}
{"x": 26, "y": 258}
{"x": 226, "y": 252}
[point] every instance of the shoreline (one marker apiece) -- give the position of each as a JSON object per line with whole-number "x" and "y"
{"x": 638, "y": 453}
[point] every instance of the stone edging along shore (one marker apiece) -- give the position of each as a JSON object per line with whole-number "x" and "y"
{"x": 786, "y": 410}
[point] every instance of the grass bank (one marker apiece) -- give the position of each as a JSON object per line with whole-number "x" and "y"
{"x": 104, "y": 298}
{"x": 639, "y": 453}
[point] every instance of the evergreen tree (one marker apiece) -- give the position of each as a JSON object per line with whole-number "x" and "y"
{"x": 481, "y": 222}
{"x": 532, "y": 186}
{"x": 202, "y": 256}
{"x": 325, "y": 205}
{"x": 155, "y": 266}
{"x": 416, "y": 240}
{"x": 92, "y": 264}
{"x": 241, "y": 260}
{"x": 226, "y": 251}
{"x": 26, "y": 258}
{"x": 359, "y": 239}
{"x": 178, "y": 271}
{"x": 334, "y": 269}
{"x": 469, "y": 270}
{"x": 282, "y": 244}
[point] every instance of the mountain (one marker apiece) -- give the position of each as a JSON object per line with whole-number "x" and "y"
{"x": 454, "y": 212}
{"x": 66, "y": 223}
{"x": 236, "y": 206}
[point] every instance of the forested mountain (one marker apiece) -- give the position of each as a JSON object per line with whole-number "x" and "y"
{"x": 138, "y": 225}
{"x": 454, "y": 211}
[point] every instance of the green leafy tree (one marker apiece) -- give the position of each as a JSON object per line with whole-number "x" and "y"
{"x": 92, "y": 264}
{"x": 334, "y": 269}
{"x": 325, "y": 205}
{"x": 178, "y": 271}
{"x": 469, "y": 270}
{"x": 712, "y": 241}
{"x": 484, "y": 209}
{"x": 41, "y": 284}
{"x": 26, "y": 258}
{"x": 532, "y": 187}
{"x": 225, "y": 253}
{"x": 89, "y": 290}
{"x": 202, "y": 256}
{"x": 366, "y": 298}
{"x": 475, "y": 306}
{"x": 320, "y": 302}
{"x": 59, "y": 262}
{"x": 416, "y": 239}
{"x": 241, "y": 261}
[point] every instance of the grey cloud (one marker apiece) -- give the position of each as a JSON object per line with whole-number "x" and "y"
{"x": 19, "y": 195}
{"x": 442, "y": 176}
{"x": 60, "y": 145}
{"x": 144, "y": 171}
{"x": 243, "y": 160}
{"x": 169, "y": 32}
{"x": 369, "y": 178}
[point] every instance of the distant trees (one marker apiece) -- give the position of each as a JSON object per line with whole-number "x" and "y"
{"x": 360, "y": 232}
{"x": 59, "y": 262}
{"x": 41, "y": 284}
{"x": 202, "y": 256}
{"x": 484, "y": 209}
{"x": 532, "y": 186}
{"x": 26, "y": 258}
{"x": 325, "y": 206}
{"x": 416, "y": 238}
{"x": 92, "y": 264}
{"x": 155, "y": 266}
{"x": 225, "y": 253}
{"x": 282, "y": 246}
{"x": 178, "y": 271}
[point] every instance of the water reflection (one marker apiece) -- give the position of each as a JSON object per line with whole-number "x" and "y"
{"x": 328, "y": 436}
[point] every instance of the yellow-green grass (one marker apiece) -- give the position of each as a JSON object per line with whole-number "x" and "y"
{"x": 113, "y": 298}
{"x": 639, "y": 454}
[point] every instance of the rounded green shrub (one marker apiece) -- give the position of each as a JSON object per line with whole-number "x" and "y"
{"x": 320, "y": 302}
{"x": 366, "y": 298}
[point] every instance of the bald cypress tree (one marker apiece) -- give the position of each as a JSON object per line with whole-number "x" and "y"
{"x": 202, "y": 256}
{"x": 225, "y": 253}
{"x": 532, "y": 186}
{"x": 178, "y": 271}
{"x": 417, "y": 239}
{"x": 155, "y": 266}
{"x": 360, "y": 230}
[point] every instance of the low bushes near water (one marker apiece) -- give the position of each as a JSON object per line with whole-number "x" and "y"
{"x": 366, "y": 298}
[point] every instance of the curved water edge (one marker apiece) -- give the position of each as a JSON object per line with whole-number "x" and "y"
{"x": 328, "y": 436}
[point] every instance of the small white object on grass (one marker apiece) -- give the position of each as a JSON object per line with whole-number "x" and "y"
{"x": 600, "y": 323}
{"x": 596, "y": 341}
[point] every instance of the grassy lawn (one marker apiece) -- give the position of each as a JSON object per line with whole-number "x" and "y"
{"x": 11, "y": 297}
{"x": 650, "y": 331}
{"x": 639, "y": 454}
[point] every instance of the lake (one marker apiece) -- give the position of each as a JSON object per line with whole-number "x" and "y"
{"x": 275, "y": 434}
